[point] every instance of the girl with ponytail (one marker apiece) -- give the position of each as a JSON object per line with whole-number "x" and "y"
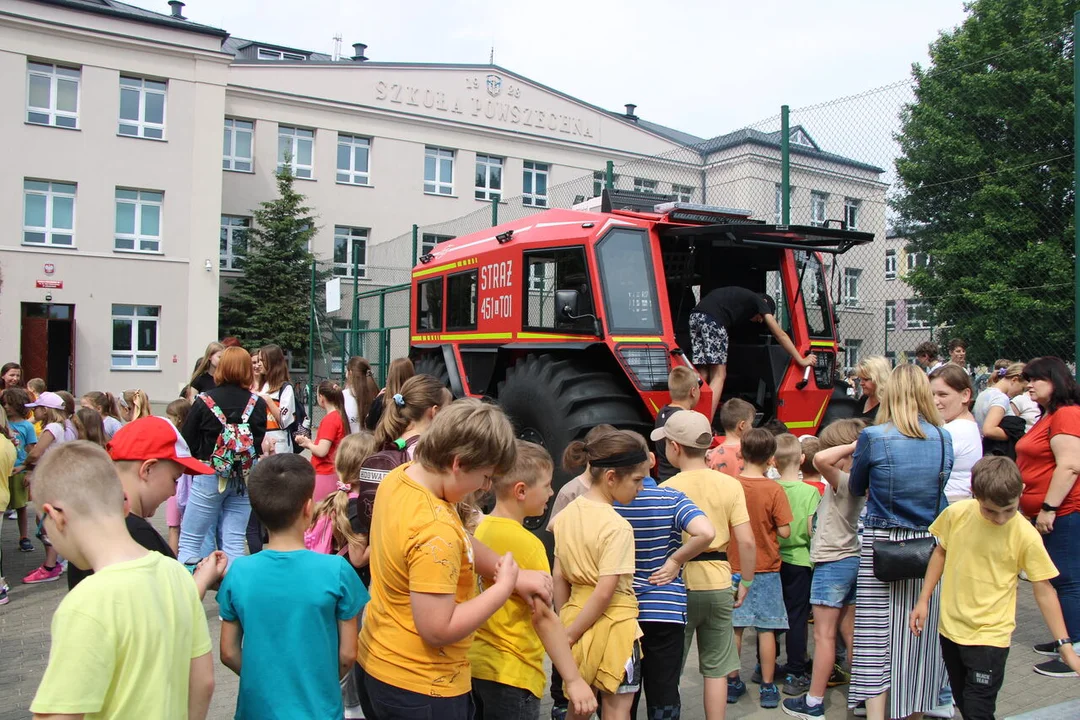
{"x": 332, "y": 430}
{"x": 107, "y": 407}
{"x": 360, "y": 391}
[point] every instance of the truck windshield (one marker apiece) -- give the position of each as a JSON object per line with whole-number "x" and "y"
{"x": 815, "y": 298}
{"x": 627, "y": 280}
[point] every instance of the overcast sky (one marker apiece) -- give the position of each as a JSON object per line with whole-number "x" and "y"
{"x": 704, "y": 66}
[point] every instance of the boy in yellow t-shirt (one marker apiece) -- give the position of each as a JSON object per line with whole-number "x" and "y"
{"x": 507, "y": 654}
{"x": 131, "y": 640}
{"x": 983, "y": 545}
{"x": 415, "y": 638}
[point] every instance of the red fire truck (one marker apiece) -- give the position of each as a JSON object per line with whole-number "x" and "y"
{"x": 571, "y": 318}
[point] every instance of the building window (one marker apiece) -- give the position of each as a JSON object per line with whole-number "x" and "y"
{"x": 353, "y": 159}
{"x": 917, "y": 260}
{"x": 778, "y": 206}
{"x": 891, "y": 357}
{"x": 428, "y": 242}
{"x": 890, "y": 264}
{"x": 851, "y": 286}
{"x": 851, "y": 213}
{"x": 438, "y": 171}
{"x": 643, "y": 185}
{"x": 818, "y": 208}
{"x": 296, "y": 148}
{"x": 541, "y": 276}
{"x": 682, "y": 193}
{"x": 852, "y": 352}
{"x": 142, "y": 108}
{"x": 535, "y": 184}
{"x": 350, "y": 246}
{"x": 48, "y": 213}
{"x": 234, "y": 241}
{"x": 52, "y": 95}
{"x": 918, "y": 315}
{"x": 138, "y": 220}
{"x": 271, "y": 54}
{"x": 135, "y": 337}
{"x": 488, "y": 177}
{"x": 890, "y": 314}
{"x": 239, "y": 141}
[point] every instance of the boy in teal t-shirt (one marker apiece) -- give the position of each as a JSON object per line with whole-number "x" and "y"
{"x": 796, "y": 569}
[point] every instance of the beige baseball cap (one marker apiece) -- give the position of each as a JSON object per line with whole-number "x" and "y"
{"x": 686, "y": 427}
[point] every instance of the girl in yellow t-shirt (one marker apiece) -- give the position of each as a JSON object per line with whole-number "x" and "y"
{"x": 594, "y": 570}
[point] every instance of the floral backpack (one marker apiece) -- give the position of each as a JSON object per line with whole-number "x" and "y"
{"x": 234, "y": 452}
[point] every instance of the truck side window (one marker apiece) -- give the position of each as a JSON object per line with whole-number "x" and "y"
{"x": 429, "y": 305}
{"x": 551, "y": 270}
{"x": 461, "y": 301}
{"x": 626, "y": 276}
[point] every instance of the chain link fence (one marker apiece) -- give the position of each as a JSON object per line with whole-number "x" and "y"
{"x": 962, "y": 173}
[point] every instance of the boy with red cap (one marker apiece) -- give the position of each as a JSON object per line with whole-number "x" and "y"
{"x": 150, "y": 456}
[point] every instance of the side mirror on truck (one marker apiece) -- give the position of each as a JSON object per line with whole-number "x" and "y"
{"x": 566, "y": 302}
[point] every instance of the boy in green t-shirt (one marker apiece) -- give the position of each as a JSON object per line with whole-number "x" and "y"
{"x": 131, "y": 640}
{"x": 796, "y": 569}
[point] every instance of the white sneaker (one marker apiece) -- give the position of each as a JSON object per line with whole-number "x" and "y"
{"x": 941, "y": 711}
{"x": 354, "y": 713}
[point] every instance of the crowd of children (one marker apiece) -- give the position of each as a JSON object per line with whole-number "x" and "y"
{"x": 400, "y": 598}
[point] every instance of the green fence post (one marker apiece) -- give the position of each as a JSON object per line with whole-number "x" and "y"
{"x": 785, "y": 167}
{"x": 384, "y": 350}
{"x": 609, "y": 175}
{"x": 494, "y": 211}
{"x": 1076, "y": 205}
{"x": 311, "y": 345}
{"x": 415, "y": 243}
{"x": 354, "y": 337}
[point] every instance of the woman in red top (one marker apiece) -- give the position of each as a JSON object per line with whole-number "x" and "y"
{"x": 1049, "y": 460}
{"x": 333, "y": 428}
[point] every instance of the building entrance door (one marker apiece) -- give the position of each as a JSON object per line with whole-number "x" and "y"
{"x": 48, "y": 344}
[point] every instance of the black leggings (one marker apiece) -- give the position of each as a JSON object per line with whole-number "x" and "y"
{"x": 661, "y": 666}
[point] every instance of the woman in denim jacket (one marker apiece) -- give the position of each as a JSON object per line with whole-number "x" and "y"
{"x": 897, "y": 465}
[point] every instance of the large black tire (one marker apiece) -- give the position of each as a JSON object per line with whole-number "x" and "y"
{"x": 432, "y": 364}
{"x": 553, "y": 402}
{"x": 841, "y": 406}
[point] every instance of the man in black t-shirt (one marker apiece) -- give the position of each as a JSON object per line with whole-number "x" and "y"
{"x": 150, "y": 456}
{"x": 716, "y": 316}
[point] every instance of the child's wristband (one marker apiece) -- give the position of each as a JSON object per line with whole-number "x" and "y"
{"x": 747, "y": 583}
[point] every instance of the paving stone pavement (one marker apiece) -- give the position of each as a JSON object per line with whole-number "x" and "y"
{"x": 24, "y": 651}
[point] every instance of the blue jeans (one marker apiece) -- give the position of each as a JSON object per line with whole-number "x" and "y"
{"x": 1061, "y": 545}
{"x": 208, "y": 509}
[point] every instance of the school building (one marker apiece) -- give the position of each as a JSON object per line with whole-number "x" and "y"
{"x": 140, "y": 141}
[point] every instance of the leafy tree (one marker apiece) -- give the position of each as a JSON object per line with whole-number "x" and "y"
{"x": 269, "y": 303}
{"x": 986, "y": 179}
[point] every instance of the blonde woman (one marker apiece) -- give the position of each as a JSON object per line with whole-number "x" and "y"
{"x": 203, "y": 377}
{"x": 873, "y": 374}
{"x": 897, "y": 464}
{"x": 134, "y": 404}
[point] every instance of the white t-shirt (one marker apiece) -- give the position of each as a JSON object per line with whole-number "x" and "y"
{"x": 1028, "y": 409}
{"x": 991, "y": 397}
{"x": 967, "y": 450}
{"x": 352, "y": 409}
{"x": 287, "y": 407}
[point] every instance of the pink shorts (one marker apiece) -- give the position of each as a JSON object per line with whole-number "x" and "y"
{"x": 172, "y": 513}
{"x": 324, "y": 485}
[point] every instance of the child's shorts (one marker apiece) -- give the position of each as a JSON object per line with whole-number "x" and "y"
{"x": 20, "y": 494}
{"x": 631, "y": 681}
{"x": 708, "y": 616}
{"x": 834, "y": 583}
{"x": 172, "y": 513}
{"x": 763, "y": 607}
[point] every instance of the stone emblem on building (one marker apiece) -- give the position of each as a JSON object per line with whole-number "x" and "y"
{"x": 494, "y": 85}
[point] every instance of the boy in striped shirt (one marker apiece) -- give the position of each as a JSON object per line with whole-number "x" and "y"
{"x": 660, "y": 517}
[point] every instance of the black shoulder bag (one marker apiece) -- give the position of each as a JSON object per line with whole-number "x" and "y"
{"x": 896, "y": 560}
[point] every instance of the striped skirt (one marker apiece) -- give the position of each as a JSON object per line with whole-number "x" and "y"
{"x": 887, "y": 655}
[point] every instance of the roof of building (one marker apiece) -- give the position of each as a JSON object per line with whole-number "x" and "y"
{"x": 801, "y": 144}
{"x": 124, "y": 11}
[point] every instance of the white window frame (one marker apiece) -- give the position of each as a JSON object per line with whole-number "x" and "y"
{"x": 142, "y": 127}
{"x": 53, "y": 191}
{"x": 913, "y": 259}
{"x": 271, "y": 54}
{"x": 437, "y": 184}
{"x": 139, "y": 243}
{"x": 55, "y": 74}
{"x": 819, "y": 208}
{"x": 134, "y": 355}
{"x": 353, "y": 175}
{"x": 539, "y": 283}
{"x": 890, "y": 264}
{"x": 532, "y": 171}
{"x": 682, "y": 193}
{"x": 852, "y": 210}
{"x": 230, "y": 259}
{"x": 913, "y": 323}
{"x": 295, "y": 136}
{"x": 645, "y": 185}
{"x": 230, "y": 160}
{"x": 851, "y": 286}
{"x": 778, "y": 206}
{"x": 486, "y": 167}
{"x": 890, "y": 314}
{"x": 352, "y": 236}
{"x": 852, "y": 351}
{"x": 428, "y": 242}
